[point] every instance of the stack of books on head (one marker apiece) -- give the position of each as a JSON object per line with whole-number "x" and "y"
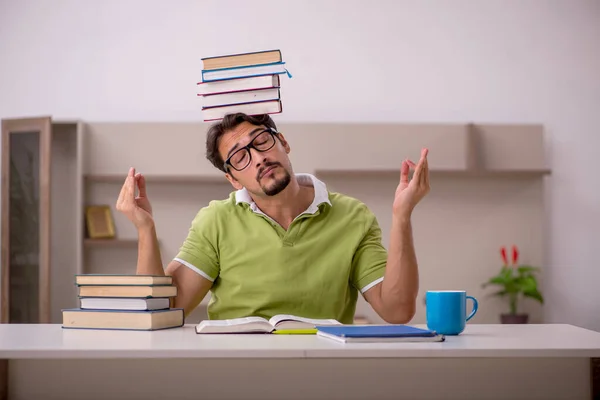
{"x": 249, "y": 83}
{"x": 127, "y": 302}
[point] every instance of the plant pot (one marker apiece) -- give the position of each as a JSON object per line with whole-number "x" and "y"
{"x": 514, "y": 318}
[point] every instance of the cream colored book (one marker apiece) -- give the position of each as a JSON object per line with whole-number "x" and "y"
{"x": 127, "y": 291}
{"x": 261, "y": 325}
{"x": 122, "y": 319}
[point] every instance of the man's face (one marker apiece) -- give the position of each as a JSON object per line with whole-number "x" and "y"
{"x": 263, "y": 173}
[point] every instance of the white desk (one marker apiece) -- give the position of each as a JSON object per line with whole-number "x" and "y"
{"x": 485, "y": 362}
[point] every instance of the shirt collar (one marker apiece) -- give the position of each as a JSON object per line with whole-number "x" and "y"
{"x": 321, "y": 193}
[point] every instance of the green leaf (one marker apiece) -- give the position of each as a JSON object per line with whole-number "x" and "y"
{"x": 528, "y": 284}
{"x": 534, "y": 294}
{"x": 498, "y": 280}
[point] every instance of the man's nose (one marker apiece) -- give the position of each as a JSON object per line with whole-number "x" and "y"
{"x": 257, "y": 157}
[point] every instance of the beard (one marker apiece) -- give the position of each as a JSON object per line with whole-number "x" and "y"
{"x": 275, "y": 186}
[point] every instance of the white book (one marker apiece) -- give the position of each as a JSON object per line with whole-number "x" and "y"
{"x": 111, "y": 303}
{"x": 261, "y": 107}
{"x": 238, "y": 85}
{"x": 261, "y": 325}
{"x": 241, "y": 72}
{"x": 247, "y": 96}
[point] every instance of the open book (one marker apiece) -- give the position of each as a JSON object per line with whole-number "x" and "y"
{"x": 261, "y": 325}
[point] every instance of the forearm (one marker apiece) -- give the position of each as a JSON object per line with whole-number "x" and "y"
{"x": 149, "y": 259}
{"x": 400, "y": 285}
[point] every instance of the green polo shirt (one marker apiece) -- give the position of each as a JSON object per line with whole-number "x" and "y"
{"x": 315, "y": 269}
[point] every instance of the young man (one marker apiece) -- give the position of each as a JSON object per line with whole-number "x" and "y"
{"x": 282, "y": 243}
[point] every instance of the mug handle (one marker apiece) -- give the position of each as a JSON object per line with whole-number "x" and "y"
{"x": 475, "y": 306}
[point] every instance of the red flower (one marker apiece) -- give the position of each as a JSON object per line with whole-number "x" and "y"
{"x": 503, "y": 253}
{"x": 515, "y": 255}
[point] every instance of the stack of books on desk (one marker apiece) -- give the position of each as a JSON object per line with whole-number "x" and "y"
{"x": 248, "y": 83}
{"x": 128, "y": 302}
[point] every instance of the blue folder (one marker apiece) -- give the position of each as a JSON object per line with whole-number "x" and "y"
{"x": 376, "y": 331}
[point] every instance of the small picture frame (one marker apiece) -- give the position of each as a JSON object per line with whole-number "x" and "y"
{"x": 99, "y": 222}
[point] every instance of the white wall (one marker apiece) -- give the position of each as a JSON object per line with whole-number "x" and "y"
{"x": 493, "y": 61}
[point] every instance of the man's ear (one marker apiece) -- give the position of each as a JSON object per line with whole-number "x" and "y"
{"x": 284, "y": 142}
{"x": 236, "y": 185}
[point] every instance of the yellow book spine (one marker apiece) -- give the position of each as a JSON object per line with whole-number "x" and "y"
{"x": 296, "y": 332}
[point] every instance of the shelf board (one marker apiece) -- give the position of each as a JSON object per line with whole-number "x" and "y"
{"x": 65, "y": 121}
{"x": 114, "y": 178}
{"x": 110, "y": 242}
{"x": 188, "y": 179}
{"x": 451, "y": 173}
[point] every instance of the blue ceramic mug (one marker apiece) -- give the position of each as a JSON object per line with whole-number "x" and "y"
{"x": 447, "y": 311}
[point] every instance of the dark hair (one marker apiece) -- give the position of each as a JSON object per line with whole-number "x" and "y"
{"x": 229, "y": 122}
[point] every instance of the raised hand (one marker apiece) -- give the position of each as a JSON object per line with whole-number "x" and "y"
{"x": 136, "y": 208}
{"x": 409, "y": 193}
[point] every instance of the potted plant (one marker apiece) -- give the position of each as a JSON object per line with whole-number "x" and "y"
{"x": 516, "y": 282}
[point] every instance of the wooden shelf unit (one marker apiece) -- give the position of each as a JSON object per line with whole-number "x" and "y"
{"x": 94, "y": 159}
{"x": 476, "y": 173}
{"x": 203, "y": 179}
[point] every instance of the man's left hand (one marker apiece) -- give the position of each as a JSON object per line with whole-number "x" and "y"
{"x": 409, "y": 193}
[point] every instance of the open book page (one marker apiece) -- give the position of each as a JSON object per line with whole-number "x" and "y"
{"x": 235, "y": 325}
{"x": 284, "y": 321}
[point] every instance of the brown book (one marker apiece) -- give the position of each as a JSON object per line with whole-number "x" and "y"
{"x": 128, "y": 291}
{"x": 242, "y": 60}
{"x": 127, "y": 320}
{"x": 122, "y": 279}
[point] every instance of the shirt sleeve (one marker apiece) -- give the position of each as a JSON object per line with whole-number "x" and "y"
{"x": 370, "y": 258}
{"x": 199, "y": 250}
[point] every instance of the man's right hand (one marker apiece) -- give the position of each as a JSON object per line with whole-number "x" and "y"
{"x": 137, "y": 209}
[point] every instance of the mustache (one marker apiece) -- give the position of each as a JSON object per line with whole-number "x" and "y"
{"x": 266, "y": 166}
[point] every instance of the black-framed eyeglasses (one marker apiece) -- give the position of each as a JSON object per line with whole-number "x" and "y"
{"x": 242, "y": 157}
